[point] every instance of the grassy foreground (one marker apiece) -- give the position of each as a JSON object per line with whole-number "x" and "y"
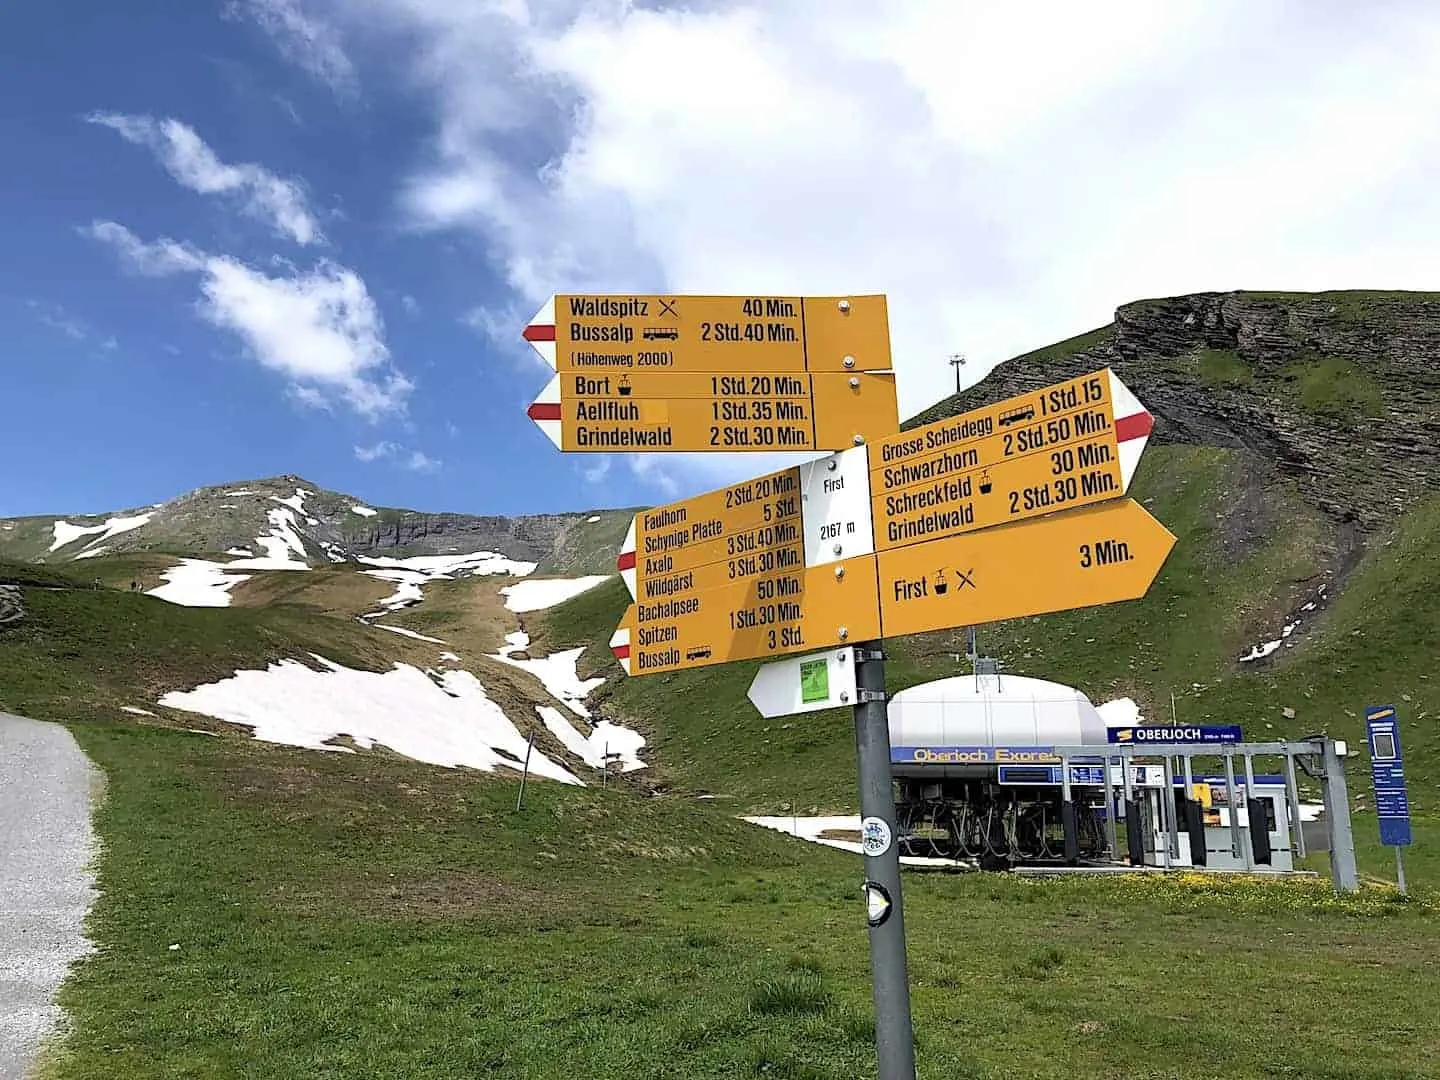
{"x": 268, "y": 912}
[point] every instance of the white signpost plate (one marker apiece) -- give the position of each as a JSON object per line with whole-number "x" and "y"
{"x": 835, "y": 507}
{"x": 802, "y": 684}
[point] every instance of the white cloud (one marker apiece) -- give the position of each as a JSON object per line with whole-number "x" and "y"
{"x": 301, "y": 39}
{"x": 410, "y": 304}
{"x": 320, "y": 329}
{"x": 376, "y": 451}
{"x": 596, "y": 468}
{"x": 385, "y": 450}
{"x": 420, "y": 462}
{"x": 280, "y": 203}
{"x": 656, "y": 470}
{"x": 1007, "y": 174}
{"x": 57, "y": 318}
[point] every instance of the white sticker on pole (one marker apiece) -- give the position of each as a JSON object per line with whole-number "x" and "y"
{"x": 874, "y": 836}
{"x": 835, "y": 507}
{"x": 802, "y": 684}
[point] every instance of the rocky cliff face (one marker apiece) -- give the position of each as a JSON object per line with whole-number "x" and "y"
{"x": 1338, "y": 390}
{"x": 528, "y": 538}
{"x": 12, "y": 607}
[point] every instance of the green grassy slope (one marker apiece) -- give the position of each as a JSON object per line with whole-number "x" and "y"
{"x": 589, "y": 547}
{"x": 1214, "y": 599}
{"x": 82, "y": 652}
{"x": 268, "y": 912}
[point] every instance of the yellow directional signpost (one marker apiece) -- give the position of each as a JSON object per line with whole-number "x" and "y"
{"x": 1011, "y": 510}
{"x": 1079, "y": 558}
{"x": 1069, "y": 445}
{"x": 746, "y": 620}
{"x": 723, "y": 576}
{"x": 714, "y": 373}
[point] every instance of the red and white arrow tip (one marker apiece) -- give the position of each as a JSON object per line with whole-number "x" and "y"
{"x": 620, "y": 646}
{"x": 625, "y": 561}
{"x": 1133, "y": 425}
{"x": 540, "y": 332}
{"x": 545, "y": 410}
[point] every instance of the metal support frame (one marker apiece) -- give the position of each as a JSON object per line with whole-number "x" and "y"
{"x": 1343, "y": 870}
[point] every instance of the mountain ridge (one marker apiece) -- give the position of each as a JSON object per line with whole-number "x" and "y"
{"x": 1331, "y": 389}
{"x": 289, "y": 517}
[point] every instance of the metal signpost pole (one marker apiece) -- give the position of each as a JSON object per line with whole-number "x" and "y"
{"x": 890, "y": 977}
{"x": 525, "y": 773}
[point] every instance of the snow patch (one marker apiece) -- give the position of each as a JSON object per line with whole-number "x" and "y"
{"x": 1122, "y": 712}
{"x": 540, "y": 593}
{"x": 475, "y": 562}
{"x": 363, "y": 511}
{"x": 409, "y": 633}
{"x": 202, "y": 583}
{"x": 810, "y": 828}
{"x": 592, "y": 519}
{"x": 556, "y": 672}
{"x": 1264, "y": 649}
{"x": 135, "y": 710}
{"x": 450, "y": 656}
{"x": 65, "y": 533}
{"x": 622, "y": 744}
{"x": 448, "y": 721}
{"x": 242, "y": 491}
{"x": 283, "y": 537}
{"x": 409, "y": 574}
{"x": 90, "y": 553}
{"x": 407, "y": 589}
{"x": 295, "y": 502}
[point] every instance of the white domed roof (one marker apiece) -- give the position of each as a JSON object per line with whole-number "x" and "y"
{"x": 1005, "y": 710}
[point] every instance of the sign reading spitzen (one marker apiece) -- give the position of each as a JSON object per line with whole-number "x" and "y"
{"x": 1073, "y": 444}
{"x": 745, "y": 620}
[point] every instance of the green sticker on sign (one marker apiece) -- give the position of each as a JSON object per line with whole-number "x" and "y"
{"x": 814, "y": 681}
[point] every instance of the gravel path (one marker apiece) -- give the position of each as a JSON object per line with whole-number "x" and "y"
{"x": 46, "y": 885}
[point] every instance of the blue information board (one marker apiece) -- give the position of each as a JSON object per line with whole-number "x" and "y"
{"x": 1080, "y": 775}
{"x": 1387, "y": 773}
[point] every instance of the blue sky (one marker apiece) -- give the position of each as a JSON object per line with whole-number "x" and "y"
{"x": 251, "y": 237}
{"x": 131, "y": 396}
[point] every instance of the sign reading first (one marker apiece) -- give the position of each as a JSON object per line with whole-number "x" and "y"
{"x": 714, "y": 373}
